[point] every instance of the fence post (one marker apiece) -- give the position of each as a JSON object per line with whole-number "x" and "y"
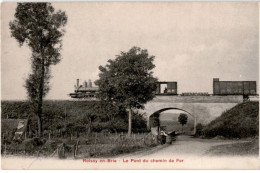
{"x": 76, "y": 149}
{"x": 95, "y": 143}
{"x": 5, "y": 149}
{"x": 63, "y": 150}
{"x": 49, "y": 136}
{"x": 15, "y": 149}
{"x": 58, "y": 151}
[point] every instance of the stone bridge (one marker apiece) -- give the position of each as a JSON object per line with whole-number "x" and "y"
{"x": 202, "y": 108}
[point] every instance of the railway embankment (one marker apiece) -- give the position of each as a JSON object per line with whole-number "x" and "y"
{"x": 241, "y": 121}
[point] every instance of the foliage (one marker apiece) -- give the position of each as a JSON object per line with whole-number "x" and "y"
{"x": 239, "y": 122}
{"x": 182, "y": 119}
{"x": 128, "y": 81}
{"x": 41, "y": 28}
{"x": 199, "y": 129}
{"x": 37, "y": 25}
{"x": 154, "y": 120}
{"x": 32, "y": 83}
{"x": 62, "y": 118}
{"x": 139, "y": 123}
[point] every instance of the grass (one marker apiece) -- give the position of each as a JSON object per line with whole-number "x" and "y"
{"x": 97, "y": 145}
{"x": 250, "y": 148}
{"x": 66, "y": 123}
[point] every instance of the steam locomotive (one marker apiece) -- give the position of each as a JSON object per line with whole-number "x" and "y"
{"x": 84, "y": 91}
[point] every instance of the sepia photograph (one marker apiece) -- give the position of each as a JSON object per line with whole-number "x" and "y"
{"x": 129, "y": 85}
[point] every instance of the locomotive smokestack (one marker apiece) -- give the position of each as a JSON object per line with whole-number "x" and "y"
{"x": 89, "y": 83}
{"x": 77, "y": 83}
{"x": 85, "y": 84}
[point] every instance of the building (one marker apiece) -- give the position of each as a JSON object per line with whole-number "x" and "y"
{"x": 14, "y": 128}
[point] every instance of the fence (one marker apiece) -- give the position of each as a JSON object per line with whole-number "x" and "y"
{"x": 94, "y": 145}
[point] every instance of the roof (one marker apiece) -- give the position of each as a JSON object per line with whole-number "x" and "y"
{"x": 8, "y": 125}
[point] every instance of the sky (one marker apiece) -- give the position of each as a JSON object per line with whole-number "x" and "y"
{"x": 193, "y": 42}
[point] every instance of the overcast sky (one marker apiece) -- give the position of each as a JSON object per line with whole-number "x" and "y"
{"x": 192, "y": 42}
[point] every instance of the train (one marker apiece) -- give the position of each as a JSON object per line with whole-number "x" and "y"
{"x": 245, "y": 88}
{"x": 166, "y": 88}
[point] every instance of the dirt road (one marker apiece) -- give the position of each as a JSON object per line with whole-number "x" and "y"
{"x": 184, "y": 145}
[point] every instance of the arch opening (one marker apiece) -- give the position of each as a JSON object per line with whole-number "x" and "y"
{"x": 171, "y": 108}
{"x": 155, "y": 123}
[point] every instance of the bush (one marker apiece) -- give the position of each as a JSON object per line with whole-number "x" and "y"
{"x": 199, "y": 129}
{"x": 34, "y": 142}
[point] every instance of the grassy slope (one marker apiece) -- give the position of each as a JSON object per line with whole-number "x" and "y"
{"x": 21, "y": 109}
{"x": 52, "y": 110}
{"x": 239, "y": 122}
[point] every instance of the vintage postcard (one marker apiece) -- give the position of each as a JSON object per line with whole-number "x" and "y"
{"x": 130, "y": 85}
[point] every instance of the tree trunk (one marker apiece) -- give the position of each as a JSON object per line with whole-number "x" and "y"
{"x": 40, "y": 98}
{"x": 129, "y": 122}
{"x": 39, "y": 126}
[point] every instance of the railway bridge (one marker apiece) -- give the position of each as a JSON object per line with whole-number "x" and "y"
{"x": 202, "y": 108}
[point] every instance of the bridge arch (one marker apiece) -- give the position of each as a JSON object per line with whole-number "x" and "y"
{"x": 155, "y": 117}
{"x": 173, "y": 108}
